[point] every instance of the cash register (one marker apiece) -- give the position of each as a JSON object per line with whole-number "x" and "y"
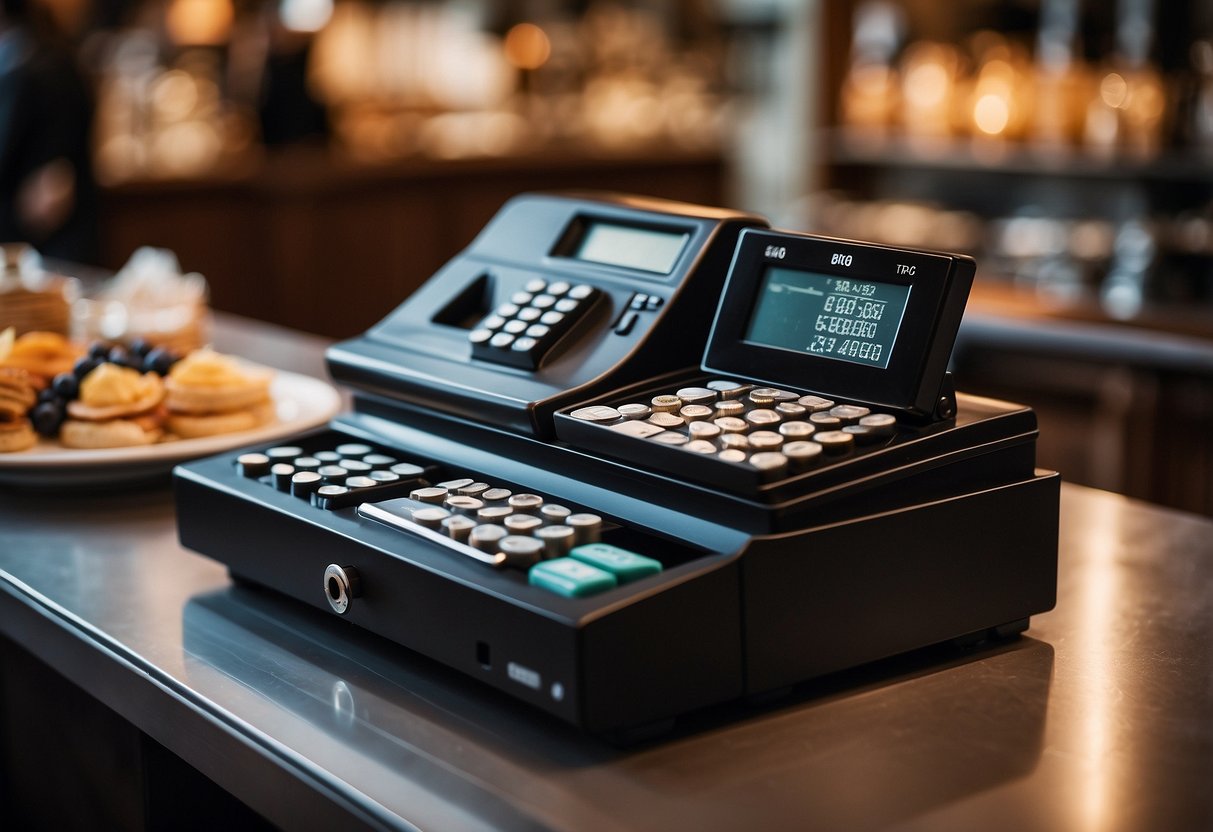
{"x": 623, "y": 459}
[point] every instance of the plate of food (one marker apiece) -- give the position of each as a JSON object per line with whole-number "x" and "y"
{"x": 114, "y": 413}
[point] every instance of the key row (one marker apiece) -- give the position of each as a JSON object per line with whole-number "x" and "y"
{"x": 559, "y": 547}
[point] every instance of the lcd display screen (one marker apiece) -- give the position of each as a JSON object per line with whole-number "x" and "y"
{"x": 645, "y": 249}
{"x": 836, "y": 317}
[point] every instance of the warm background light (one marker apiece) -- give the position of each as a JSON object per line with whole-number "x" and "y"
{"x": 527, "y": 46}
{"x": 199, "y": 22}
{"x": 305, "y": 15}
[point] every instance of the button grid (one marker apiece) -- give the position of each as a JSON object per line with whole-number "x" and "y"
{"x": 771, "y": 431}
{"x": 520, "y": 331}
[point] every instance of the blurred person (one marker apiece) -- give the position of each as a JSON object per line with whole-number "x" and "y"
{"x": 47, "y": 193}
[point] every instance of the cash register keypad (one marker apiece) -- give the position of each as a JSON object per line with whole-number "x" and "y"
{"x": 772, "y": 431}
{"x": 560, "y": 548}
{"x": 519, "y": 331}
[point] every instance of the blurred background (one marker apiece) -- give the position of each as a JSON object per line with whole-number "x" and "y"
{"x": 317, "y": 160}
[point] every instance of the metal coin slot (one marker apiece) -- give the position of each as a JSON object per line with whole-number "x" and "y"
{"x": 341, "y": 586}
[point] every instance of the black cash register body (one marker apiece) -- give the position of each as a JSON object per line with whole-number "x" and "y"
{"x": 718, "y": 487}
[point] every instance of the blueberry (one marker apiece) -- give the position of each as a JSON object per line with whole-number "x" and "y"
{"x": 47, "y": 395}
{"x": 85, "y": 365}
{"x": 159, "y": 361}
{"x": 140, "y": 347}
{"x": 98, "y": 350}
{"x": 121, "y": 356}
{"x": 47, "y": 417}
{"x": 66, "y": 385}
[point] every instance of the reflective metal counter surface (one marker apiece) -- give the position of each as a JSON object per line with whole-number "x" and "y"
{"x": 1100, "y": 718}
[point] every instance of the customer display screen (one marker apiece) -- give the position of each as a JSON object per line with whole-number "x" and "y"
{"x": 632, "y": 247}
{"x": 834, "y": 317}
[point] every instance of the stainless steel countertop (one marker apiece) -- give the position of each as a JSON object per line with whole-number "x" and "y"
{"x": 1101, "y": 718}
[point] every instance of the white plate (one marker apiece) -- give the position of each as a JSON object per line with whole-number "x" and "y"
{"x": 302, "y": 403}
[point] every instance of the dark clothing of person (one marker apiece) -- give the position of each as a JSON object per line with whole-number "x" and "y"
{"x": 46, "y": 113}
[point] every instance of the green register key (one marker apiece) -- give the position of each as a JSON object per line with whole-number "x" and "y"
{"x": 624, "y": 565}
{"x": 571, "y": 578}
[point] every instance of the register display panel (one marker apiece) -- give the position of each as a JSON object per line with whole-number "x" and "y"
{"x": 631, "y": 247}
{"x": 870, "y": 323}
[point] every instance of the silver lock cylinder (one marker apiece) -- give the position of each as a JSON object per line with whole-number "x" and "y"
{"x": 341, "y": 586}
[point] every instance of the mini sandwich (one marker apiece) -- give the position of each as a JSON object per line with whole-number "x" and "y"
{"x": 18, "y": 392}
{"x": 209, "y": 394}
{"x": 118, "y": 407}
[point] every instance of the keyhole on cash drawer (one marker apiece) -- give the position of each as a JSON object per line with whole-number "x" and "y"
{"x": 341, "y": 585}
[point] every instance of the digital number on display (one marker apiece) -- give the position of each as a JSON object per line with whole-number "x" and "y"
{"x": 835, "y": 317}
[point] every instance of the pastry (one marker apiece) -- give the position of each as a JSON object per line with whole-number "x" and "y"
{"x": 16, "y": 434}
{"x": 18, "y": 393}
{"x": 117, "y": 407}
{"x": 45, "y": 353}
{"x": 209, "y": 393}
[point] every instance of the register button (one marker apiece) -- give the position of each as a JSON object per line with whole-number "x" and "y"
{"x": 624, "y": 565}
{"x": 570, "y": 578}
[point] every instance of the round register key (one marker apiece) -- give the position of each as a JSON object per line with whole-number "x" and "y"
{"x": 486, "y": 536}
{"x": 587, "y": 528}
{"x": 882, "y": 424}
{"x": 704, "y": 430}
{"x": 731, "y": 424}
{"x": 634, "y": 410}
{"x": 460, "y": 504}
{"x": 666, "y": 403}
{"x": 763, "y": 417}
{"x": 525, "y": 503}
{"x": 458, "y": 527}
{"x": 596, "y": 413}
{"x": 728, "y": 389}
{"x": 849, "y": 413}
{"x": 835, "y": 441}
{"x": 765, "y": 440}
{"x": 522, "y": 523}
{"x": 734, "y": 441}
{"x": 253, "y": 465}
{"x": 304, "y": 483}
{"x": 557, "y": 540}
{"x": 520, "y": 550}
{"x": 815, "y": 404}
{"x": 496, "y": 495}
{"x": 430, "y": 494}
{"x": 554, "y": 514}
{"x": 797, "y": 430}
{"x": 284, "y": 453}
{"x": 771, "y": 463}
{"x": 280, "y": 475}
{"x": 666, "y": 420}
{"x": 696, "y": 395}
{"x": 802, "y": 454}
{"x": 432, "y": 517}
{"x": 695, "y": 412}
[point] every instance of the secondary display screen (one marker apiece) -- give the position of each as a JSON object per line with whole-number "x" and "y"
{"x": 631, "y": 247}
{"x": 835, "y": 317}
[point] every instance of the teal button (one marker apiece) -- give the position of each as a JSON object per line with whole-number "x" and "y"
{"x": 624, "y": 565}
{"x": 570, "y": 578}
